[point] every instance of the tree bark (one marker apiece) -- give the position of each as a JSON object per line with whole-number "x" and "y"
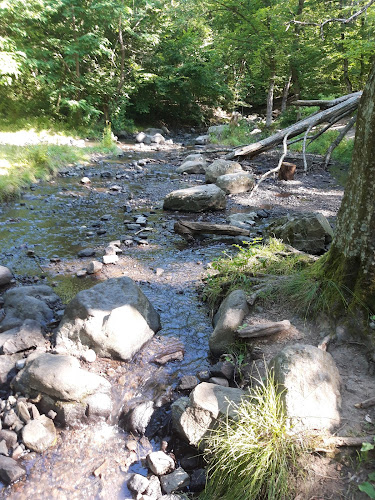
{"x": 351, "y": 258}
{"x": 286, "y": 94}
{"x": 271, "y": 88}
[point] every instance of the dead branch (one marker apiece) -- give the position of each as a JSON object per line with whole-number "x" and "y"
{"x": 263, "y": 329}
{"x": 349, "y": 105}
{"x": 323, "y": 104}
{"x": 304, "y": 149}
{"x": 338, "y": 139}
{"x": 341, "y": 441}
{"x": 274, "y": 170}
{"x": 188, "y": 229}
{"x": 366, "y": 404}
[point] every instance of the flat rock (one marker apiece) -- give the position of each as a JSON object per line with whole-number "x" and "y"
{"x": 196, "y": 199}
{"x": 10, "y": 471}
{"x": 311, "y": 384}
{"x": 58, "y": 376}
{"x": 221, "y": 167}
{"x": 38, "y": 435}
{"x": 86, "y": 252}
{"x": 228, "y": 318}
{"x": 195, "y": 165}
{"x": 240, "y": 182}
{"x": 28, "y": 335}
{"x": 114, "y": 318}
{"x": 6, "y": 275}
{"x": 176, "y": 480}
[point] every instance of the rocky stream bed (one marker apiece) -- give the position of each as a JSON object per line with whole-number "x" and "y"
{"x": 105, "y": 220}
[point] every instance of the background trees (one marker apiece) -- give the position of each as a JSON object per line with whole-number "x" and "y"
{"x": 144, "y": 60}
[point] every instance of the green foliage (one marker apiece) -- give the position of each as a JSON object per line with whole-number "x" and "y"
{"x": 236, "y": 271}
{"x": 108, "y": 139}
{"x": 256, "y": 455}
{"x": 367, "y": 487}
{"x": 237, "y": 135}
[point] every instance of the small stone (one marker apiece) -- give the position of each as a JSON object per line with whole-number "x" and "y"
{"x": 86, "y": 252}
{"x": 204, "y": 375}
{"x": 159, "y": 271}
{"x": 94, "y": 267}
{"x": 34, "y": 411}
{"x": 89, "y": 356}
{"x": 17, "y": 452}
{"x": 223, "y": 369}
{"x": 177, "y": 480}
{"x": 110, "y": 250}
{"x": 219, "y": 381}
{"x": 10, "y": 437}
{"x": 160, "y": 463}
{"x": 138, "y": 483}
{"x": 153, "y": 489}
{"x": 188, "y": 382}
{"x": 23, "y": 412}
{"x": 81, "y": 273}
{"x": 198, "y": 480}
{"x": 110, "y": 259}
{"x": 38, "y": 435}
{"x": 85, "y": 180}
{"x": 105, "y": 217}
{"x": 52, "y": 415}
{"x": 132, "y": 445}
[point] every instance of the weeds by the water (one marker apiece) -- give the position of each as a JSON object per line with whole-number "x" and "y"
{"x": 238, "y": 271}
{"x": 256, "y": 456}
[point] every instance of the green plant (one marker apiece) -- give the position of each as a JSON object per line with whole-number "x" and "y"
{"x": 108, "y": 138}
{"x": 367, "y": 486}
{"x": 256, "y": 455}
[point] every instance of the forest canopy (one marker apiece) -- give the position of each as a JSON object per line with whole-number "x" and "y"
{"x": 84, "y": 61}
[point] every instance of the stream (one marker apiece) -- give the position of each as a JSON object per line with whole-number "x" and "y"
{"x": 41, "y": 235}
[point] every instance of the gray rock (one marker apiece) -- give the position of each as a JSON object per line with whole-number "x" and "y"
{"x": 39, "y": 435}
{"x": 113, "y": 318}
{"x": 245, "y": 221}
{"x": 198, "y": 480}
{"x": 10, "y": 437}
{"x": 23, "y": 412}
{"x": 228, "y": 318}
{"x": 139, "y": 417}
{"x": 235, "y": 183}
{"x": 110, "y": 259}
{"x": 58, "y": 376}
{"x": 154, "y": 131}
{"x": 160, "y": 463}
{"x": 221, "y": 167}
{"x": 176, "y": 480}
{"x": 312, "y": 386}
{"x": 193, "y": 164}
{"x": 196, "y": 199}
{"x": 140, "y": 137}
{"x": 28, "y": 302}
{"x": 8, "y": 367}
{"x": 308, "y": 233}
{"x": 86, "y": 252}
{"x": 6, "y": 276}
{"x": 188, "y": 382}
{"x": 28, "y": 335}
{"x": 153, "y": 490}
{"x": 223, "y": 369}
{"x": 10, "y": 471}
{"x": 219, "y": 381}
{"x": 3, "y": 448}
{"x": 157, "y": 139}
{"x": 94, "y": 267}
{"x": 218, "y": 130}
{"x": 195, "y": 416}
{"x": 138, "y": 483}
{"x": 99, "y": 405}
{"x": 202, "y": 140}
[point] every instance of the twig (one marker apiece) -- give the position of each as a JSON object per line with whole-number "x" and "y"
{"x": 366, "y": 404}
{"x": 304, "y": 149}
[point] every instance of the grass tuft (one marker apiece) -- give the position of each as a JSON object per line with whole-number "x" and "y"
{"x": 256, "y": 456}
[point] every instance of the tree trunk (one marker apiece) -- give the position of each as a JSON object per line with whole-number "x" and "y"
{"x": 286, "y": 93}
{"x": 271, "y": 87}
{"x": 350, "y": 260}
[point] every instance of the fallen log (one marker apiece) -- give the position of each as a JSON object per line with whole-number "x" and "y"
{"x": 188, "y": 229}
{"x": 263, "y": 329}
{"x": 341, "y": 109}
{"x": 322, "y": 103}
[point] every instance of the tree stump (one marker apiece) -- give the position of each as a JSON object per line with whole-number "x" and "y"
{"x": 287, "y": 171}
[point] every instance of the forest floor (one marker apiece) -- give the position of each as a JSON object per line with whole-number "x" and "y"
{"x": 170, "y": 271}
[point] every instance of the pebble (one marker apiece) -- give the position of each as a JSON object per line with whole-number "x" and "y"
{"x": 110, "y": 259}
{"x": 219, "y": 381}
{"x": 86, "y": 252}
{"x": 81, "y": 273}
{"x": 160, "y": 463}
{"x": 85, "y": 180}
{"x": 94, "y": 267}
{"x": 89, "y": 356}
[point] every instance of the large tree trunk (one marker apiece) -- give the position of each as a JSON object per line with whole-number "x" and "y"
{"x": 351, "y": 259}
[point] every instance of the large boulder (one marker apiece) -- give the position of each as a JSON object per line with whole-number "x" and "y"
{"x": 196, "y": 199}
{"x": 28, "y": 302}
{"x": 193, "y": 164}
{"x": 226, "y": 321}
{"x": 61, "y": 385}
{"x": 6, "y": 276}
{"x": 114, "y": 318}
{"x": 310, "y": 382}
{"x": 239, "y": 182}
{"x": 309, "y": 233}
{"x": 221, "y": 167}
{"x": 195, "y": 416}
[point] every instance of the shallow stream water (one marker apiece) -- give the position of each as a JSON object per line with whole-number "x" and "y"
{"x": 56, "y": 220}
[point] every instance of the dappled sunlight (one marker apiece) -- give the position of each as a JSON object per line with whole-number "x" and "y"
{"x": 32, "y": 137}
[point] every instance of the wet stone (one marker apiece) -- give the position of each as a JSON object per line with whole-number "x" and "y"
{"x": 188, "y": 382}
{"x": 160, "y": 463}
{"x": 177, "y": 480}
{"x": 10, "y": 471}
{"x": 219, "y": 381}
{"x": 86, "y": 252}
{"x": 38, "y": 435}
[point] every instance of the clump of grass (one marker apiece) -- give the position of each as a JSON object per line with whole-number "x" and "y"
{"x": 237, "y": 271}
{"x": 237, "y": 135}
{"x": 255, "y": 456}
